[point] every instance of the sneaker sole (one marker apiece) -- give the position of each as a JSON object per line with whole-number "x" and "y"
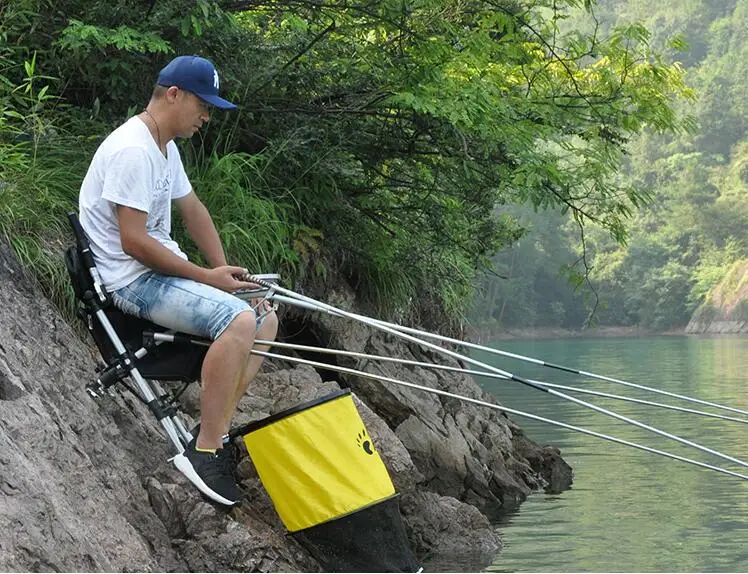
{"x": 184, "y": 466}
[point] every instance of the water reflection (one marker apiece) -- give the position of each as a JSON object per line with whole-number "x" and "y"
{"x": 630, "y": 510}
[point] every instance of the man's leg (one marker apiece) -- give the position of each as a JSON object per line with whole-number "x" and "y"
{"x": 267, "y": 332}
{"x": 202, "y": 310}
{"x": 199, "y": 309}
{"x": 224, "y": 370}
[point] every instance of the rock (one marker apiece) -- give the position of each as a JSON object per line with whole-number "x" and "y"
{"x": 210, "y": 539}
{"x": 437, "y": 525}
{"x": 71, "y": 496}
{"x": 546, "y": 462}
{"x": 716, "y": 327}
{"x": 725, "y": 309}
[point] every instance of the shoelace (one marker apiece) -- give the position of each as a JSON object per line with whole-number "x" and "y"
{"x": 211, "y": 466}
{"x": 227, "y": 460}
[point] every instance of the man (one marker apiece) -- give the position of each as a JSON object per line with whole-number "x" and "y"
{"x": 125, "y": 209}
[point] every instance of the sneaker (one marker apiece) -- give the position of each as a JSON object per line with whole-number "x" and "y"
{"x": 229, "y": 454}
{"x": 210, "y": 474}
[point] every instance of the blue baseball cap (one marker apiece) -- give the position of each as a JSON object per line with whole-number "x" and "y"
{"x": 197, "y": 75}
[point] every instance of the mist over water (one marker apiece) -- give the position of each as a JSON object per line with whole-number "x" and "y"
{"x": 629, "y": 510}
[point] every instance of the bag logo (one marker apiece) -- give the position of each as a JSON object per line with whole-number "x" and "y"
{"x": 364, "y": 442}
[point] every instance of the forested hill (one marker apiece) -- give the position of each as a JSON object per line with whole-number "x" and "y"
{"x": 374, "y": 139}
{"x": 687, "y": 248}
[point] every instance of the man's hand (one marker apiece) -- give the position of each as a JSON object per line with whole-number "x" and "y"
{"x": 228, "y": 278}
{"x": 260, "y": 305}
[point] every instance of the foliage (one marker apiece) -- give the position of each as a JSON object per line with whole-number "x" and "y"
{"x": 527, "y": 287}
{"x": 448, "y": 110}
{"x": 232, "y": 184}
{"x": 683, "y": 244}
{"x": 374, "y": 140}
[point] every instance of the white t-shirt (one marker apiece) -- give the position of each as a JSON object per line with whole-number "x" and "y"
{"x": 128, "y": 169}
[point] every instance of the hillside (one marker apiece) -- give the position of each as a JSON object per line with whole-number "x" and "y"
{"x": 726, "y": 307}
{"x": 683, "y": 240}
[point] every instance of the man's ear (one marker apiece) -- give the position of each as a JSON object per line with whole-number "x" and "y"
{"x": 172, "y": 94}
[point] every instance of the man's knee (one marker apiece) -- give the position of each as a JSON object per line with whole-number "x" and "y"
{"x": 242, "y": 327}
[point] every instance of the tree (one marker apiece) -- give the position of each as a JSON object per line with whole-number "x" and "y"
{"x": 388, "y": 132}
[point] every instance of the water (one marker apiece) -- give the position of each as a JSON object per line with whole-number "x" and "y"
{"x": 629, "y": 510}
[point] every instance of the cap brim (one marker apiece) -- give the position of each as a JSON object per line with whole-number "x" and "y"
{"x": 217, "y": 102}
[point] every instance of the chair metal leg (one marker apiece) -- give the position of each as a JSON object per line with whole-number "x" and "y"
{"x": 184, "y": 434}
{"x": 147, "y": 393}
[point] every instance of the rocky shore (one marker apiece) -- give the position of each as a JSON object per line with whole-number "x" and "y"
{"x": 86, "y": 485}
{"x": 482, "y": 336}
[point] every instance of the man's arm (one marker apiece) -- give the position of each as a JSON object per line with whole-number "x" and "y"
{"x": 138, "y": 244}
{"x": 200, "y": 226}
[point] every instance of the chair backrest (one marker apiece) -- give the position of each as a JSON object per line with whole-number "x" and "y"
{"x": 80, "y": 277}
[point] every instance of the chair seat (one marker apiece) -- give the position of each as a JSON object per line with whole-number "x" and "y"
{"x": 167, "y": 362}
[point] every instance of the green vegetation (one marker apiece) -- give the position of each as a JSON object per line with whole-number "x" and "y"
{"x": 686, "y": 241}
{"x": 390, "y": 144}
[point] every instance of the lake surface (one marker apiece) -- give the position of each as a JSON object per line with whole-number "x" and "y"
{"x": 629, "y": 510}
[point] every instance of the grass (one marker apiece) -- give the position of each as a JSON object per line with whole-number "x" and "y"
{"x": 256, "y": 229}
{"x": 39, "y": 188}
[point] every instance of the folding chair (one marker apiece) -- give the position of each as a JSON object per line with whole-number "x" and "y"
{"x": 136, "y": 348}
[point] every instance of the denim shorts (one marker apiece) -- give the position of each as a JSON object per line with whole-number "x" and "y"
{"x": 181, "y": 304}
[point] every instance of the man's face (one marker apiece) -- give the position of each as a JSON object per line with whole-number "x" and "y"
{"x": 192, "y": 113}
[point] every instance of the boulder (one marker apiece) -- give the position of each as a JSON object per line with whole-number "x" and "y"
{"x": 71, "y": 469}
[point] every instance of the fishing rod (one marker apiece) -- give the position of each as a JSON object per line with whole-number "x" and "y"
{"x": 413, "y": 331}
{"x": 166, "y": 337}
{"x": 325, "y": 350}
{"x": 383, "y": 327}
{"x": 501, "y": 408}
